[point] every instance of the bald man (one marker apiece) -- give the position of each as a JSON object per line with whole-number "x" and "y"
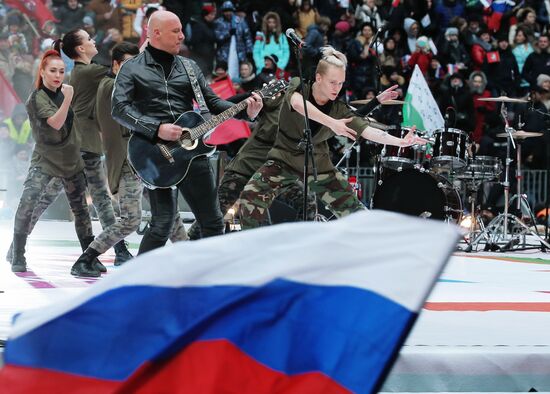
{"x": 151, "y": 91}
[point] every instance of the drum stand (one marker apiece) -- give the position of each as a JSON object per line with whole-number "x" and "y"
{"x": 347, "y": 153}
{"x": 497, "y": 231}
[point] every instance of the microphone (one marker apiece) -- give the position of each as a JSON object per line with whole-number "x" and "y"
{"x": 293, "y": 37}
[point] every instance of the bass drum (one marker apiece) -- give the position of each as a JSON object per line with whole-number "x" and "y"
{"x": 419, "y": 194}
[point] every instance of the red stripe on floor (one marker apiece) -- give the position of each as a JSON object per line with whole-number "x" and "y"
{"x": 488, "y": 306}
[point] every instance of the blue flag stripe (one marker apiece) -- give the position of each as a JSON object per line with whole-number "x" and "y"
{"x": 288, "y": 326}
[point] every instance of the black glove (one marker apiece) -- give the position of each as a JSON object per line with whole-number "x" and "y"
{"x": 232, "y": 31}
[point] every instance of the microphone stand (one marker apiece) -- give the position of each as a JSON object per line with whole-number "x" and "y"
{"x": 377, "y": 60}
{"x": 305, "y": 143}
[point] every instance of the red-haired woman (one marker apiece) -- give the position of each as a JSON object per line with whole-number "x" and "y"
{"x": 56, "y": 154}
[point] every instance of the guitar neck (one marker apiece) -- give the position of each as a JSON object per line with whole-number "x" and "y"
{"x": 216, "y": 120}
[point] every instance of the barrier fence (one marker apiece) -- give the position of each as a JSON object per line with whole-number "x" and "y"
{"x": 534, "y": 186}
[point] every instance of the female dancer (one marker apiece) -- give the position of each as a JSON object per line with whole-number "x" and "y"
{"x": 56, "y": 154}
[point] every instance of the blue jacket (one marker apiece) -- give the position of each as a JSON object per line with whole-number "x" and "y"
{"x": 261, "y": 49}
{"x": 222, "y": 29}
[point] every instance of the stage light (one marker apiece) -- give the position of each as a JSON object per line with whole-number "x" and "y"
{"x": 231, "y": 212}
{"x": 466, "y": 222}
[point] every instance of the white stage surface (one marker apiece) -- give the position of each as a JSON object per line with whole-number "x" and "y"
{"x": 485, "y": 328}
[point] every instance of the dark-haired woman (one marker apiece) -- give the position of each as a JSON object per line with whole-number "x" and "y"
{"x": 56, "y": 154}
{"x": 85, "y": 79}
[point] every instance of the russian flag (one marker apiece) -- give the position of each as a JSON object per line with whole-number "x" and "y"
{"x": 293, "y": 308}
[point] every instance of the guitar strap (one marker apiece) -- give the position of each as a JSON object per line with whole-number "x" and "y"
{"x": 205, "y": 112}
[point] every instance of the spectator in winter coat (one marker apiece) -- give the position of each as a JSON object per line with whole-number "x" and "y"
{"x": 501, "y": 69}
{"x": 478, "y": 88}
{"x": 226, "y": 27}
{"x": 271, "y": 40}
{"x": 315, "y": 40}
{"x": 107, "y": 16}
{"x": 70, "y": 16}
{"x": 537, "y": 62}
{"x": 446, "y": 10}
{"x": 422, "y": 56}
{"x": 341, "y": 36}
{"x": 453, "y": 51}
{"x": 368, "y": 12}
{"x": 305, "y": 17}
{"x": 202, "y": 41}
{"x": 456, "y": 94}
{"x": 248, "y": 80}
{"x": 481, "y": 45}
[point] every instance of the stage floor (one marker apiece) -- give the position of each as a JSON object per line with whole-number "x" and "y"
{"x": 485, "y": 328}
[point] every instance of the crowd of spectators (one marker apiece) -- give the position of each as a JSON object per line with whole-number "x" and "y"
{"x": 466, "y": 49}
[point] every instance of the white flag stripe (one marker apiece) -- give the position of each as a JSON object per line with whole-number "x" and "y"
{"x": 424, "y": 102}
{"x": 375, "y": 250}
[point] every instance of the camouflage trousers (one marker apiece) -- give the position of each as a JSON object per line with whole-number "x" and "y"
{"x": 233, "y": 183}
{"x": 97, "y": 187}
{"x": 129, "y": 198}
{"x": 75, "y": 189}
{"x": 129, "y": 195}
{"x": 332, "y": 189}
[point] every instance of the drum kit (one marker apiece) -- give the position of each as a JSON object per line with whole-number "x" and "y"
{"x": 425, "y": 181}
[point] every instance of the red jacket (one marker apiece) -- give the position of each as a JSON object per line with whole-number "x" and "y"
{"x": 422, "y": 59}
{"x": 481, "y": 107}
{"x": 478, "y": 56}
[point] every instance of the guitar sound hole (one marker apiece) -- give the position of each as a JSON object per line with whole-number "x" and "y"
{"x": 186, "y": 142}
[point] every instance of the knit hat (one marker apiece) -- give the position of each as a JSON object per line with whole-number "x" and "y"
{"x": 542, "y": 78}
{"x": 342, "y": 26}
{"x": 208, "y": 9}
{"x": 274, "y": 58}
{"x": 451, "y": 31}
{"x": 88, "y": 21}
{"x": 228, "y": 6}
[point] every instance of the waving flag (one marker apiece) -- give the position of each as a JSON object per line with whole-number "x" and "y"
{"x": 232, "y": 129}
{"x": 292, "y": 308}
{"x": 420, "y": 108}
{"x": 35, "y": 9}
{"x": 8, "y": 98}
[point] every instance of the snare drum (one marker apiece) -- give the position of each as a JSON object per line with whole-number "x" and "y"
{"x": 450, "y": 149}
{"x": 482, "y": 168}
{"x": 396, "y": 157}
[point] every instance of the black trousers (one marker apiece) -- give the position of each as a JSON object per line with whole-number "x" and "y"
{"x": 199, "y": 190}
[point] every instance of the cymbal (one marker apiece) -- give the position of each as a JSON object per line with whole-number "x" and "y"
{"x": 520, "y": 134}
{"x": 376, "y": 124}
{"x": 389, "y": 102}
{"x": 503, "y": 99}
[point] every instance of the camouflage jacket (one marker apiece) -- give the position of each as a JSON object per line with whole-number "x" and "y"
{"x": 291, "y": 126}
{"x": 253, "y": 153}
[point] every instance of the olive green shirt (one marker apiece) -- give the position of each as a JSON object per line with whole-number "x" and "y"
{"x": 253, "y": 153}
{"x": 56, "y": 152}
{"x": 114, "y": 136}
{"x": 85, "y": 79}
{"x": 291, "y": 126}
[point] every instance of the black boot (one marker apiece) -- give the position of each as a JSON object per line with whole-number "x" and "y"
{"x": 9, "y": 255}
{"x": 86, "y": 264}
{"x": 122, "y": 254}
{"x": 194, "y": 232}
{"x": 18, "y": 261}
{"x": 84, "y": 243}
